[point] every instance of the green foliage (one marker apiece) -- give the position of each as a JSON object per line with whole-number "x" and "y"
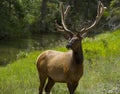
{"x": 115, "y": 3}
{"x": 23, "y": 17}
{"x": 106, "y": 14}
{"x": 115, "y": 7}
{"x": 12, "y": 18}
{"x": 113, "y": 19}
{"x": 21, "y": 54}
{"x": 101, "y": 69}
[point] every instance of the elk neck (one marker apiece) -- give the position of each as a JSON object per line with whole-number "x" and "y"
{"x": 78, "y": 55}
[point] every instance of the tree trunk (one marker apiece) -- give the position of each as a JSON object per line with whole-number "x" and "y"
{"x": 43, "y": 9}
{"x": 43, "y": 15}
{"x": 9, "y": 11}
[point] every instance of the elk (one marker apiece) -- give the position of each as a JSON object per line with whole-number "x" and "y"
{"x": 65, "y": 67}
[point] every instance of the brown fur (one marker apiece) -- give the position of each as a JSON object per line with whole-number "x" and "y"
{"x": 58, "y": 66}
{"x": 65, "y": 67}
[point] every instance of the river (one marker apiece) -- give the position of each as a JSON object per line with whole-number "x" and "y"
{"x": 10, "y": 49}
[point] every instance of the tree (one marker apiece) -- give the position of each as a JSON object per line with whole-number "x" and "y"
{"x": 11, "y": 17}
{"x": 114, "y": 16}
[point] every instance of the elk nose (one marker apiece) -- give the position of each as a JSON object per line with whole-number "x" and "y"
{"x": 68, "y": 46}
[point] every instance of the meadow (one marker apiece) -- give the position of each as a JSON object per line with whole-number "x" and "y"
{"x": 101, "y": 69}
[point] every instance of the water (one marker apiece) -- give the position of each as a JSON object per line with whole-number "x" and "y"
{"x": 10, "y": 49}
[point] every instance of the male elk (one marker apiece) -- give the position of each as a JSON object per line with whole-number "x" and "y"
{"x": 65, "y": 67}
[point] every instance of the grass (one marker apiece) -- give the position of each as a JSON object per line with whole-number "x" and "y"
{"x": 101, "y": 69}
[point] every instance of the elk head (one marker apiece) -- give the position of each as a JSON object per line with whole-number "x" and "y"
{"x": 76, "y": 38}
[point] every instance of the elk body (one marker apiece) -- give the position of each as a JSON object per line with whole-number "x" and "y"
{"x": 65, "y": 67}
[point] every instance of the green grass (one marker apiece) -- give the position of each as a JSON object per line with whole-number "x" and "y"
{"x": 101, "y": 69}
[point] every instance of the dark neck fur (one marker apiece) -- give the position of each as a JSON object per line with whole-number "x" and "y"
{"x": 78, "y": 55}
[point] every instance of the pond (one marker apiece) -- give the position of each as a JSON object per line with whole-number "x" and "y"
{"x": 10, "y": 49}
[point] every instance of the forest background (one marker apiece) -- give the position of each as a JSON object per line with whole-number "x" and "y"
{"x": 21, "y": 18}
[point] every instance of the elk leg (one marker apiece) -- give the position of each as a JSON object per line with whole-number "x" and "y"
{"x": 72, "y": 87}
{"x": 49, "y": 85}
{"x": 42, "y": 83}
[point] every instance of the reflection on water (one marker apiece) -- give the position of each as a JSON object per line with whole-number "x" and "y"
{"x": 10, "y": 49}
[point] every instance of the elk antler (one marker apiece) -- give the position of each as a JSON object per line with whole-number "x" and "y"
{"x": 63, "y": 28}
{"x": 100, "y": 11}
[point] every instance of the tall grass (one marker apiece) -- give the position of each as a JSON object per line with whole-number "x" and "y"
{"x": 101, "y": 69}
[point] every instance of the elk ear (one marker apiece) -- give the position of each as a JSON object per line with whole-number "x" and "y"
{"x": 68, "y": 36}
